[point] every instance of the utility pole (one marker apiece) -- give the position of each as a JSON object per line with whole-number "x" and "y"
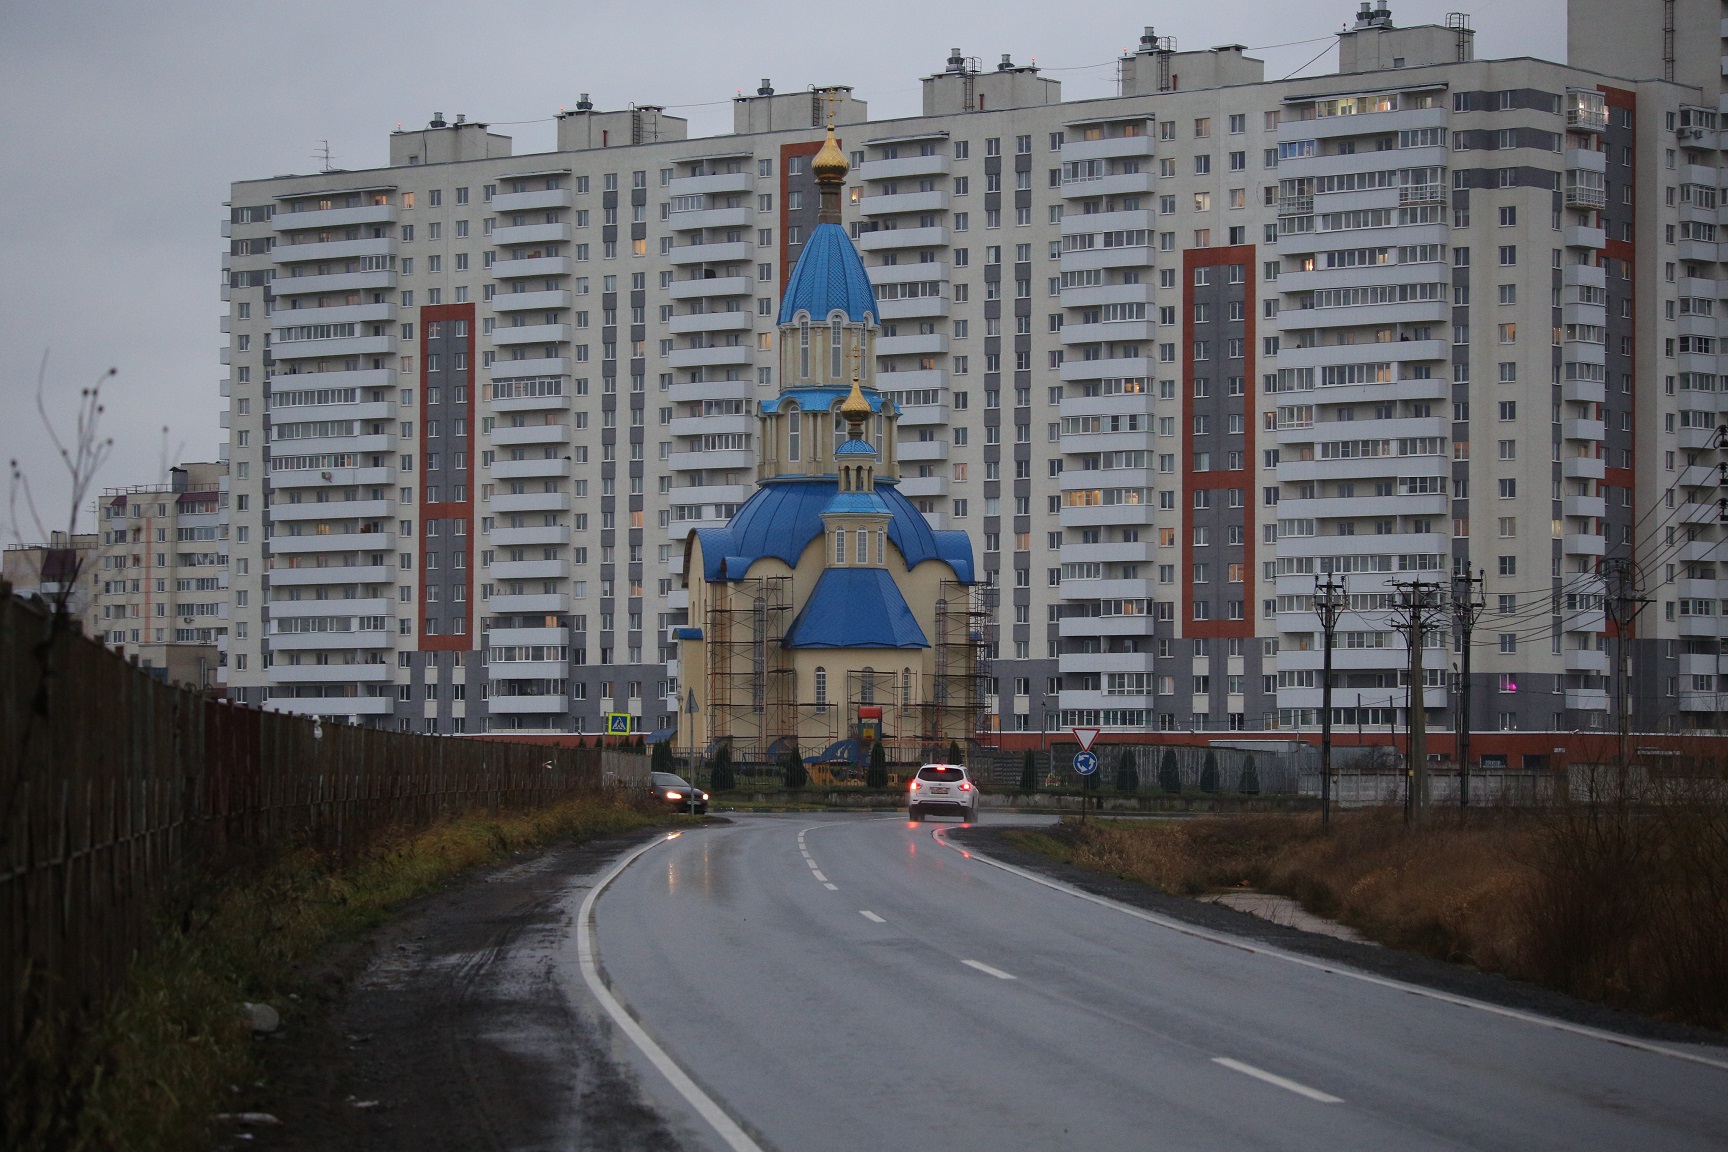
{"x": 1329, "y": 602}
{"x": 1622, "y": 604}
{"x": 1468, "y": 603}
{"x": 1416, "y": 603}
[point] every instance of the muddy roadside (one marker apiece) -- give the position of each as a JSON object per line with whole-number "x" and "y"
{"x": 450, "y": 1028}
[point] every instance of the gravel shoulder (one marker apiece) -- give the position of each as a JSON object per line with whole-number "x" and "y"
{"x": 450, "y": 1028}
{"x": 1366, "y": 957}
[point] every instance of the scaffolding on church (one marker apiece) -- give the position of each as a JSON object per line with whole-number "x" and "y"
{"x": 752, "y": 685}
{"x": 959, "y": 682}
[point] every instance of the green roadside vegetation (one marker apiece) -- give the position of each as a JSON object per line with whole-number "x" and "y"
{"x": 151, "y": 1073}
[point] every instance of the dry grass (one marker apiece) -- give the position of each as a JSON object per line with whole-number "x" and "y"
{"x": 1612, "y": 903}
{"x": 152, "y": 1071}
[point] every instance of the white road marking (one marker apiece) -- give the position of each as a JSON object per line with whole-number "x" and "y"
{"x": 1333, "y": 969}
{"x": 830, "y": 887}
{"x": 817, "y": 872}
{"x": 987, "y": 970}
{"x": 728, "y": 1130}
{"x": 871, "y": 916}
{"x": 1270, "y": 1078}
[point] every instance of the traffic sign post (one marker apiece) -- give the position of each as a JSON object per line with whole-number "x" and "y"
{"x": 1086, "y": 756}
{"x": 1085, "y": 763}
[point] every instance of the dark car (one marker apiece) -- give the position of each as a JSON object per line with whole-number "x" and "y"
{"x": 678, "y": 793}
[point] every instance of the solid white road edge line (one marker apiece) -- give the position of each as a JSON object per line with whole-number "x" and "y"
{"x": 871, "y": 916}
{"x": 1268, "y": 1077}
{"x": 728, "y": 1130}
{"x": 985, "y": 968}
{"x": 1337, "y": 970}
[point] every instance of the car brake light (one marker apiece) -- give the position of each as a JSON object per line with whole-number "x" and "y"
{"x": 965, "y": 786}
{"x": 914, "y": 785}
{"x": 671, "y": 795}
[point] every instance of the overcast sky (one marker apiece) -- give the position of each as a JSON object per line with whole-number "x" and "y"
{"x": 125, "y": 122}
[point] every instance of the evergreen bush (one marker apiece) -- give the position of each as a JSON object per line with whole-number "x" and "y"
{"x": 1250, "y": 777}
{"x": 720, "y": 777}
{"x": 877, "y": 774}
{"x": 1127, "y": 775}
{"x": 1209, "y": 772}
{"x": 1169, "y": 775}
{"x": 1028, "y": 773}
{"x": 796, "y": 775}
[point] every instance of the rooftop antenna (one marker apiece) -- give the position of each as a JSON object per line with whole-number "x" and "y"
{"x": 323, "y": 155}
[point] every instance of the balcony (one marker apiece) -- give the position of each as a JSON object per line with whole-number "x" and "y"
{"x": 924, "y": 415}
{"x": 912, "y": 487}
{"x": 532, "y": 266}
{"x": 529, "y": 301}
{"x": 526, "y": 705}
{"x": 723, "y": 253}
{"x": 721, "y": 460}
{"x": 893, "y": 382}
{"x": 1583, "y": 468}
{"x": 718, "y": 182}
{"x": 335, "y": 542}
{"x": 1587, "y": 699}
{"x": 1594, "y": 507}
{"x": 884, "y": 239}
{"x": 739, "y": 321}
{"x": 706, "y": 287}
{"x": 901, "y": 167}
{"x": 916, "y": 451}
{"x": 1082, "y": 260}
{"x": 332, "y": 674}
{"x": 694, "y": 392}
{"x": 1585, "y": 391}
{"x": 925, "y": 344}
{"x": 531, "y": 434}
{"x": 936, "y": 201}
{"x": 531, "y": 334}
{"x": 529, "y": 570}
{"x": 1580, "y": 544}
{"x": 513, "y": 636}
{"x": 1114, "y": 184}
{"x": 534, "y": 366}
{"x": 907, "y": 273}
{"x": 347, "y": 346}
{"x": 526, "y": 605}
{"x": 542, "y": 534}
{"x": 332, "y": 510}
{"x": 534, "y": 201}
{"x": 1107, "y": 148}
{"x": 530, "y": 502}
{"x": 917, "y": 308}
{"x": 1578, "y": 236}
{"x": 1114, "y": 332}
{"x": 1576, "y": 429}
{"x": 530, "y": 469}
{"x": 699, "y": 219}
{"x": 738, "y": 355}
{"x": 334, "y": 217}
{"x": 741, "y": 423}
{"x": 285, "y": 286}
{"x": 1125, "y": 366}
{"x": 532, "y": 234}
{"x": 333, "y": 250}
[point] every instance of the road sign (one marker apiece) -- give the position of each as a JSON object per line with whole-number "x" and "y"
{"x": 617, "y": 723}
{"x": 1085, "y": 763}
{"x": 1086, "y": 736}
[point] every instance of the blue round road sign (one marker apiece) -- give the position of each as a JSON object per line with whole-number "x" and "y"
{"x": 1085, "y": 763}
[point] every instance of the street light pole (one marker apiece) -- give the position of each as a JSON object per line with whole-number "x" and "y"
{"x": 1328, "y": 604}
{"x": 1467, "y": 606}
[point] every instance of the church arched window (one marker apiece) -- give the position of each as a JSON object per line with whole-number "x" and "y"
{"x": 906, "y": 689}
{"x": 881, "y": 548}
{"x": 839, "y": 545}
{"x": 834, "y": 348}
{"x": 821, "y": 687}
{"x": 794, "y": 428}
{"x": 867, "y": 686}
{"x": 863, "y": 552}
{"x": 804, "y": 348}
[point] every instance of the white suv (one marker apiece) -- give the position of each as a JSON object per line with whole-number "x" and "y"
{"x": 944, "y": 789}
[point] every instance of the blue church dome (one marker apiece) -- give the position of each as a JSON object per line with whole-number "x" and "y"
{"x": 782, "y": 517}
{"x": 829, "y": 276}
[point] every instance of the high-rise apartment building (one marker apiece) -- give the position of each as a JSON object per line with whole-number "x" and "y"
{"x": 1170, "y": 357}
{"x": 158, "y": 575}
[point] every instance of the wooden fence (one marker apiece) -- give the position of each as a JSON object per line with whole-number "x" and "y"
{"x": 118, "y": 792}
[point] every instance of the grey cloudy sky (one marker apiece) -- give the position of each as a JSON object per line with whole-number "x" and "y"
{"x": 125, "y": 122}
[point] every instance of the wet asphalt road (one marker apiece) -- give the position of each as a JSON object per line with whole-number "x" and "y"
{"x": 868, "y": 988}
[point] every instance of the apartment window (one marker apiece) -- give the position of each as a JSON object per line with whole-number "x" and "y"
{"x": 1508, "y": 255}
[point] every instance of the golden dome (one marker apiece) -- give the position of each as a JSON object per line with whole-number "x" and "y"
{"x": 855, "y": 408}
{"x": 830, "y": 166}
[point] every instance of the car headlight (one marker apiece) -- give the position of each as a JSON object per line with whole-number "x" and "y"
{"x": 704, "y": 795}
{"x": 670, "y": 795}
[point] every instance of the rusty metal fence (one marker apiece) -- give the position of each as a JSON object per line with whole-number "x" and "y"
{"x": 118, "y": 791}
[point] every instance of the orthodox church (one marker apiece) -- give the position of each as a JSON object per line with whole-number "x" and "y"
{"x": 827, "y": 609}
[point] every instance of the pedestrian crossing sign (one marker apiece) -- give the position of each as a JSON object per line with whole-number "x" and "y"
{"x": 617, "y": 723}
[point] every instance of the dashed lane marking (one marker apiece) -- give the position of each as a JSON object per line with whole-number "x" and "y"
{"x": 987, "y": 970}
{"x": 871, "y": 916}
{"x": 1272, "y": 1078}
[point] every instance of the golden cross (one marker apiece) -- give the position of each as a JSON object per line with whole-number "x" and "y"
{"x": 857, "y": 358}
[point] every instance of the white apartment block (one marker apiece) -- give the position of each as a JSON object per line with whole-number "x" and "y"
{"x": 158, "y": 576}
{"x": 1170, "y": 357}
